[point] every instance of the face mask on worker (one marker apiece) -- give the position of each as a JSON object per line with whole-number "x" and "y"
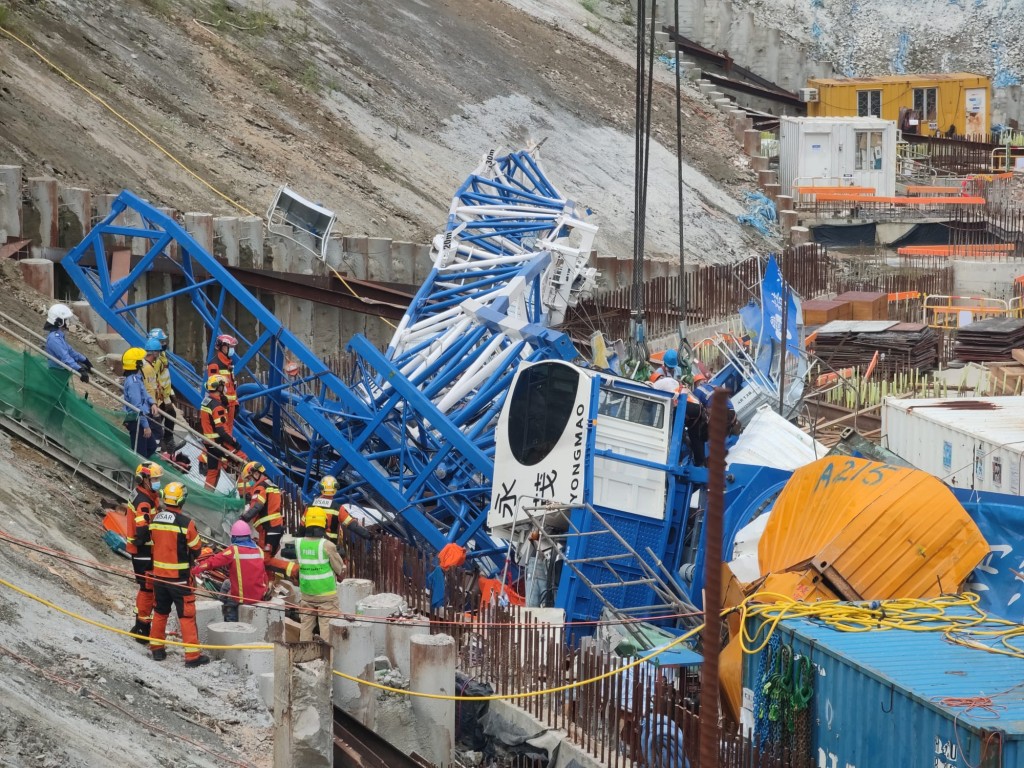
{"x": 231, "y": 351}
{"x": 154, "y": 484}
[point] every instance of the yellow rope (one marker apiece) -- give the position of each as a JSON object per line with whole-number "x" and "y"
{"x": 126, "y": 121}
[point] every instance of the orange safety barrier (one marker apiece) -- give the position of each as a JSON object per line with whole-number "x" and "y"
{"x": 904, "y": 296}
{"x": 925, "y": 190}
{"x": 966, "y": 251}
{"x": 826, "y": 190}
{"x": 908, "y": 201}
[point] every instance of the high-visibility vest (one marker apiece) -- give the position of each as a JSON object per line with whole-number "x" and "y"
{"x": 174, "y": 538}
{"x": 257, "y": 576}
{"x": 225, "y": 367}
{"x": 162, "y": 366}
{"x": 315, "y": 574}
{"x": 149, "y": 379}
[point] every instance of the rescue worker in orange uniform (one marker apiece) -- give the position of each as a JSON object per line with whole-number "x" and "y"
{"x": 263, "y": 512}
{"x": 337, "y": 516}
{"x": 213, "y": 415}
{"x": 223, "y": 364}
{"x": 176, "y": 543}
{"x": 144, "y": 503}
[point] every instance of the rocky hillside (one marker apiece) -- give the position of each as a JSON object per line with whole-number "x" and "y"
{"x": 376, "y": 110}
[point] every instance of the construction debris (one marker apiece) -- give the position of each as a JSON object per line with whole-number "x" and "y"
{"x": 900, "y": 346}
{"x": 994, "y": 338}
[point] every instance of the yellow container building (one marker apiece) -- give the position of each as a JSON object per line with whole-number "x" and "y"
{"x": 957, "y": 103}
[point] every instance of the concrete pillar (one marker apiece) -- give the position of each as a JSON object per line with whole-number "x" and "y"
{"x": 759, "y": 163}
{"x": 398, "y": 636}
{"x": 266, "y": 686}
{"x": 261, "y": 615}
{"x": 787, "y": 219}
{"x": 764, "y": 178}
{"x": 350, "y": 592}
{"x": 403, "y": 255}
{"x": 207, "y": 612}
{"x": 88, "y": 317}
{"x": 40, "y": 217}
{"x": 227, "y": 233}
{"x": 772, "y": 191}
{"x": 422, "y": 263}
{"x": 75, "y": 217}
{"x": 243, "y": 659}
{"x": 103, "y": 204}
{"x": 432, "y": 670}
{"x": 200, "y": 226}
{"x": 378, "y": 259}
{"x": 724, "y": 105}
{"x": 356, "y": 256}
{"x": 10, "y": 200}
{"x": 250, "y": 242}
{"x": 382, "y": 606}
{"x": 799, "y": 235}
{"x": 352, "y": 642}
{"x": 38, "y": 273}
{"x": 752, "y": 142}
{"x": 783, "y": 202}
{"x": 303, "y": 716}
{"x": 738, "y": 120}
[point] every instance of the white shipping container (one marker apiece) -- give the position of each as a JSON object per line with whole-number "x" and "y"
{"x": 837, "y": 151}
{"x": 973, "y": 443}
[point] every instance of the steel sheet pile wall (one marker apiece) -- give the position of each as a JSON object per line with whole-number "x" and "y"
{"x": 879, "y": 698}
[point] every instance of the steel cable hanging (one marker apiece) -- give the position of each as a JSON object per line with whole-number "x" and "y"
{"x": 638, "y": 351}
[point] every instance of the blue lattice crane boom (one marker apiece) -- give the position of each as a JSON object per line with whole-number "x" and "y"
{"x": 413, "y": 434}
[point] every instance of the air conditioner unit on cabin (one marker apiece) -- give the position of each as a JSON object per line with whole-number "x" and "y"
{"x": 808, "y": 94}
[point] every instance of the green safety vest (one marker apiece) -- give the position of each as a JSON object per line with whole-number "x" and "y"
{"x": 316, "y": 577}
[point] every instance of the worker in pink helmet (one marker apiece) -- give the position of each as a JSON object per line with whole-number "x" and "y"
{"x": 247, "y": 574}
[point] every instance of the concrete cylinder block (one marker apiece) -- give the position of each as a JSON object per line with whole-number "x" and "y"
{"x": 88, "y": 317}
{"x": 772, "y": 191}
{"x": 75, "y": 215}
{"x": 243, "y": 659}
{"x": 751, "y": 142}
{"x": 38, "y": 273}
{"x": 262, "y": 615}
{"x": 724, "y": 105}
{"x": 250, "y": 242}
{"x": 432, "y": 670}
{"x": 759, "y": 163}
{"x": 783, "y": 202}
{"x": 200, "y": 226}
{"x": 378, "y": 259}
{"x": 705, "y": 87}
{"x": 350, "y": 592}
{"x": 382, "y": 606}
{"x": 787, "y": 219}
{"x": 764, "y": 178}
{"x": 356, "y": 250}
{"x": 43, "y": 194}
{"x": 799, "y": 235}
{"x": 228, "y": 233}
{"x": 353, "y": 655}
{"x": 207, "y": 613}
{"x": 10, "y": 199}
{"x": 303, "y": 734}
{"x": 265, "y": 682}
{"x": 398, "y": 637}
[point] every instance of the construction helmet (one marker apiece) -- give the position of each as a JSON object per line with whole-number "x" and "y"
{"x": 174, "y": 494}
{"x": 59, "y": 315}
{"x": 671, "y": 358}
{"x": 224, "y": 338}
{"x": 153, "y": 345}
{"x": 252, "y": 468}
{"x": 329, "y": 485}
{"x": 149, "y": 469}
{"x": 214, "y": 382}
{"x": 158, "y": 334}
{"x": 131, "y": 359}
{"x": 240, "y": 528}
{"x": 316, "y": 518}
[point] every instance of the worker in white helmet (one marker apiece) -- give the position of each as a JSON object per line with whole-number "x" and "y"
{"x": 58, "y": 318}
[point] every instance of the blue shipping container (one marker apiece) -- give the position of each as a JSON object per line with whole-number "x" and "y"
{"x": 877, "y": 698}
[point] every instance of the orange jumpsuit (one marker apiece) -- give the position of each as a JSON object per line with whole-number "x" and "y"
{"x": 223, "y": 365}
{"x": 141, "y": 508}
{"x": 175, "y": 545}
{"x": 213, "y": 423}
{"x": 264, "y": 515}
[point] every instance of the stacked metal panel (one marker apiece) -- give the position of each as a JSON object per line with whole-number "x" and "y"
{"x": 994, "y": 338}
{"x": 845, "y": 344}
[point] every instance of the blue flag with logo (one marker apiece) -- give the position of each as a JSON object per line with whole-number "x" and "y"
{"x": 772, "y": 291}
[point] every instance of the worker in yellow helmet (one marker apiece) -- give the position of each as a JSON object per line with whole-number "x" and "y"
{"x": 320, "y": 566}
{"x": 140, "y": 412}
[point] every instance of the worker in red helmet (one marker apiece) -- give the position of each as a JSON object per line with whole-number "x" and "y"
{"x": 247, "y": 572}
{"x": 143, "y": 504}
{"x": 176, "y": 544}
{"x": 223, "y": 364}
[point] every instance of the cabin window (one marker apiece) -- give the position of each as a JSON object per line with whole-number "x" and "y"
{"x": 639, "y": 410}
{"x": 869, "y": 103}
{"x": 542, "y": 404}
{"x": 869, "y": 151}
{"x": 926, "y": 103}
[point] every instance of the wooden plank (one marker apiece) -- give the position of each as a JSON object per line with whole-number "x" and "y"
{"x": 1018, "y": 355}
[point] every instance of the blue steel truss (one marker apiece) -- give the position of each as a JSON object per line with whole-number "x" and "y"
{"x": 413, "y": 433}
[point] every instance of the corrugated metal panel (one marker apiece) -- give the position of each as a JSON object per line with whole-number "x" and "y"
{"x": 877, "y": 698}
{"x": 967, "y": 442}
{"x": 871, "y": 530}
{"x": 770, "y": 440}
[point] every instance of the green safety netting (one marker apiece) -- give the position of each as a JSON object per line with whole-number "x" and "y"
{"x": 42, "y": 398}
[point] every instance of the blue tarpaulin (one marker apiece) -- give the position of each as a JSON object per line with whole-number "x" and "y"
{"x": 999, "y": 580}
